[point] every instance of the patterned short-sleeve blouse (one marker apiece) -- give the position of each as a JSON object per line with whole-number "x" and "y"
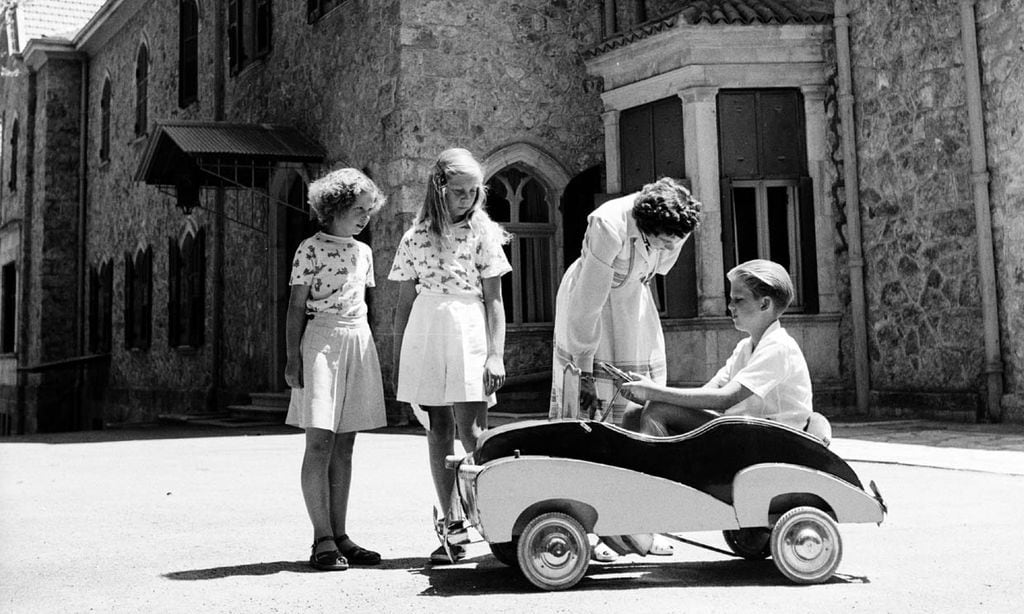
{"x": 459, "y": 269}
{"x": 337, "y": 270}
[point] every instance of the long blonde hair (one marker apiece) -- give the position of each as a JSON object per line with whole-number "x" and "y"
{"x": 434, "y": 212}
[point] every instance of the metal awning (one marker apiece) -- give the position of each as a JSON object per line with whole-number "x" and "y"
{"x": 200, "y": 150}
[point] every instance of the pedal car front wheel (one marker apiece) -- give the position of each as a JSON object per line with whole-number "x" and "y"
{"x": 553, "y": 551}
{"x": 806, "y": 546}
{"x": 751, "y": 543}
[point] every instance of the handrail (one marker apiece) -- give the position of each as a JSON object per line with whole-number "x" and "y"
{"x": 63, "y": 363}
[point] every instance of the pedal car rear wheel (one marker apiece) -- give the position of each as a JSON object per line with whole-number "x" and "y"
{"x": 752, "y": 543}
{"x": 505, "y": 552}
{"x": 553, "y": 551}
{"x": 806, "y": 546}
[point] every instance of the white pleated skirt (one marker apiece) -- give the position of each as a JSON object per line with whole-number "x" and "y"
{"x": 444, "y": 349}
{"x": 342, "y": 385}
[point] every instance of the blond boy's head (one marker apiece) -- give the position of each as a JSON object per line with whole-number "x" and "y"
{"x": 765, "y": 278}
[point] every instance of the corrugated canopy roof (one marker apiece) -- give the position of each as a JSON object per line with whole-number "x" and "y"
{"x": 724, "y": 12}
{"x": 177, "y": 148}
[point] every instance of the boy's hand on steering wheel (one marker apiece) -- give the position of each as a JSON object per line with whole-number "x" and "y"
{"x": 638, "y": 390}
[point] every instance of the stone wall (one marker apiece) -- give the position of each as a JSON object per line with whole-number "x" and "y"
{"x": 923, "y": 304}
{"x": 483, "y": 74}
{"x": 124, "y": 215}
{"x": 1001, "y": 38}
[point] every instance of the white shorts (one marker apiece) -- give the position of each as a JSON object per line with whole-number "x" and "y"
{"x": 342, "y": 386}
{"x": 444, "y": 349}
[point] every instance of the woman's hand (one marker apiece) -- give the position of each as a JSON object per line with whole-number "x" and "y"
{"x": 494, "y": 374}
{"x": 293, "y": 373}
{"x": 639, "y": 389}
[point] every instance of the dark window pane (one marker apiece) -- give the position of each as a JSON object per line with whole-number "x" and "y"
{"x": 534, "y": 207}
{"x": 745, "y": 218}
{"x": 535, "y": 272}
{"x": 497, "y": 201}
{"x": 506, "y": 288}
{"x": 778, "y": 225}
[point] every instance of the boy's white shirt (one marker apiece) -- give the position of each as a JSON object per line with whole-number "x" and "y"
{"x": 777, "y": 375}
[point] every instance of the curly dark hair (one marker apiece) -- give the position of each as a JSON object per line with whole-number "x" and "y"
{"x": 666, "y": 207}
{"x": 336, "y": 192}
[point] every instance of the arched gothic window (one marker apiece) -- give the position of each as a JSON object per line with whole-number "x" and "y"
{"x": 188, "y": 53}
{"x": 522, "y": 204}
{"x": 105, "y": 121}
{"x": 142, "y": 91}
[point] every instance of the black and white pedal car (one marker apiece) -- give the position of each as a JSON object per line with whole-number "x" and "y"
{"x": 534, "y": 490}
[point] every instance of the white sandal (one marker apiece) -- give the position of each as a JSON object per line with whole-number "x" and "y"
{"x": 660, "y": 546}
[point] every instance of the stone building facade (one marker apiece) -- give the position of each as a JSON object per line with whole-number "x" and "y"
{"x": 576, "y": 100}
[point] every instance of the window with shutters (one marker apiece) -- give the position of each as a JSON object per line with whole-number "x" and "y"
{"x": 651, "y": 147}
{"x": 186, "y": 295}
{"x": 767, "y": 207}
{"x": 188, "y": 52}
{"x": 101, "y": 295}
{"x": 521, "y": 203}
{"x": 138, "y": 298}
{"x": 250, "y": 32}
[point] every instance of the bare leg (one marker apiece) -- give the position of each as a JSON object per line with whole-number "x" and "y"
{"x": 441, "y": 443}
{"x": 315, "y": 490}
{"x": 471, "y": 422}
{"x": 631, "y": 417}
{"x": 340, "y": 476}
{"x": 664, "y": 419}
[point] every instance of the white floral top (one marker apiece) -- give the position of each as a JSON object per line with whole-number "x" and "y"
{"x": 337, "y": 270}
{"x": 459, "y": 269}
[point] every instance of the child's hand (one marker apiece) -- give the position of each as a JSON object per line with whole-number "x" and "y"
{"x": 293, "y": 373}
{"x": 638, "y": 390}
{"x": 494, "y": 374}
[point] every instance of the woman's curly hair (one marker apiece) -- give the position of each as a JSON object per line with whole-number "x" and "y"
{"x": 337, "y": 191}
{"x": 666, "y": 207}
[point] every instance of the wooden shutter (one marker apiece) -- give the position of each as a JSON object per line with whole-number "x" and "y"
{"x": 94, "y": 310}
{"x": 107, "y": 305}
{"x": 728, "y": 233}
{"x": 808, "y": 247}
{"x": 197, "y": 291}
{"x": 636, "y": 148}
{"x": 737, "y": 134}
{"x": 173, "y": 292}
{"x": 129, "y": 301}
{"x": 264, "y": 27}
{"x": 236, "y": 53}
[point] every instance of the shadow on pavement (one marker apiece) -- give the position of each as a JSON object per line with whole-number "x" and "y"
{"x": 140, "y": 432}
{"x": 486, "y": 576}
{"x": 273, "y": 567}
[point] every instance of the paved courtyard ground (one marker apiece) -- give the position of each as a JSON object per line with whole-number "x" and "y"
{"x": 183, "y": 519}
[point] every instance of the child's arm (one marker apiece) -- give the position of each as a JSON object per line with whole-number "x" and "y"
{"x": 406, "y": 297}
{"x": 295, "y": 322}
{"x": 644, "y": 389}
{"x": 494, "y": 367}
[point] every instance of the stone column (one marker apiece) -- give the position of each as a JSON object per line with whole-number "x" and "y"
{"x": 700, "y": 137}
{"x": 814, "y": 115}
{"x": 612, "y": 166}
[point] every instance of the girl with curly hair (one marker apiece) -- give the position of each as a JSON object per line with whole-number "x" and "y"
{"x": 332, "y": 366}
